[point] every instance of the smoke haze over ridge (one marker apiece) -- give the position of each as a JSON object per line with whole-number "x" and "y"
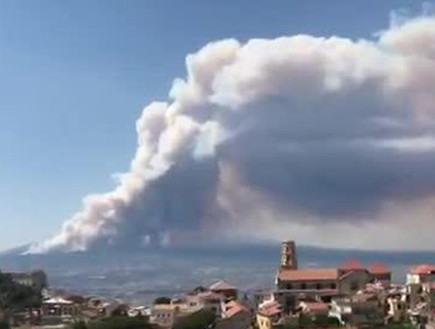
{"x": 310, "y": 137}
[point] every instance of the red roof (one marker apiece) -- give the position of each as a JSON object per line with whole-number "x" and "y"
{"x": 378, "y": 268}
{"x": 316, "y": 307}
{"x": 270, "y": 309}
{"x": 423, "y": 269}
{"x": 233, "y": 308}
{"x": 308, "y": 274}
{"x": 352, "y": 264}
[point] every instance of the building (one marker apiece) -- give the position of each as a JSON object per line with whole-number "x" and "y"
{"x": 204, "y": 300}
{"x": 164, "y": 315}
{"x": 60, "y": 309}
{"x": 226, "y": 290}
{"x": 380, "y": 273}
{"x": 269, "y": 315}
{"x": 417, "y": 277}
{"x": 289, "y": 259}
{"x": 313, "y": 308}
{"x": 420, "y": 285}
{"x": 235, "y": 315}
{"x": 293, "y": 283}
{"x": 420, "y": 274}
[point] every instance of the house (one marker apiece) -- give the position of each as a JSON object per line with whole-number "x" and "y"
{"x": 415, "y": 279}
{"x": 269, "y": 315}
{"x": 420, "y": 274}
{"x": 235, "y": 315}
{"x": 380, "y": 273}
{"x": 313, "y": 308}
{"x": 224, "y": 289}
{"x": 164, "y": 315}
{"x": 60, "y": 309}
{"x": 196, "y": 301}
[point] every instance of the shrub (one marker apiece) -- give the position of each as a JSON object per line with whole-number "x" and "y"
{"x": 198, "y": 320}
{"x": 162, "y": 300}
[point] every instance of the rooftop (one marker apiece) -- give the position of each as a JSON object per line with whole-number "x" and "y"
{"x": 270, "y": 308}
{"x": 233, "y": 308}
{"x": 221, "y": 285}
{"x": 316, "y": 306}
{"x": 423, "y": 269}
{"x": 378, "y": 268}
{"x": 308, "y": 274}
{"x": 352, "y": 264}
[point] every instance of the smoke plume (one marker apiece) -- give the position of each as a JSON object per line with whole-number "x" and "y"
{"x": 327, "y": 140}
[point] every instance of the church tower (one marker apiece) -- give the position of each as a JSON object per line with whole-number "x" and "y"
{"x": 289, "y": 259}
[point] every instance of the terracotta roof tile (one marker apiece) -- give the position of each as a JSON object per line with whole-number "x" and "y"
{"x": 270, "y": 309}
{"x": 233, "y": 308}
{"x": 378, "y": 268}
{"x": 352, "y": 264}
{"x": 316, "y": 306}
{"x": 423, "y": 269}
{"x": 309, "y": 274}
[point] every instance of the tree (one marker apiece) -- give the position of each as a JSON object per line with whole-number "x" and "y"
{"x": 120, "y": 322}
{"x": 162, "y": 300}
{"x": 4, "y": 325}
{"x": 326, "y": 321}
{"x": 305, "y": 321}
{"x": 198, "y": 320}
{"x": 16, "y": 297}
{"x": 403, "y": 325}
{"x": 199, "y": 289}
{"x": 79, "y": 325}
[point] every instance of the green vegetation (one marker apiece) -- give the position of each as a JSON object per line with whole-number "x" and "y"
{"x": 4, "y": 325}
{"x": 403, "y": 325}
{"x": 199, "y": 320}
{"x": 14, "y": 296}
{"x": 162, "y": 300}
{"x": 116, "y": 322}
{"x": 318, "y": 321}
{"x": 79, "y": 325}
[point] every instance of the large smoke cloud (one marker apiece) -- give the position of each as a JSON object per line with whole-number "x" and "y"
{"x": 328, "y": 140}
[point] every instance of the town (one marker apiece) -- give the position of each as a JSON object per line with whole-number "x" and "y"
{"x": 350, "y": 296}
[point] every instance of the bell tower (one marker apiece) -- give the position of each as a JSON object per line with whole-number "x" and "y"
{"x": 289, "y": 259}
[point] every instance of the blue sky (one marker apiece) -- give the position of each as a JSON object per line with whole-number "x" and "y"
{"x": 75, "y": 75}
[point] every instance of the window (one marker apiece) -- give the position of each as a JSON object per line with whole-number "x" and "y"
{"x": 289, "y": 286}
{"x": 303, "y": 286}
{"x": 318, "y": 286}
{"x": 333, "y": 286}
